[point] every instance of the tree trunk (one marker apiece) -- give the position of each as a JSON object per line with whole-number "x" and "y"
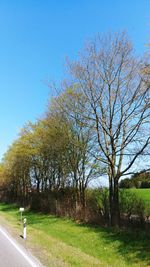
{"x": 110, "y": 200}
{"x": 114, "y": 202}
{"x": 116, "y": 209}
{"x": 38, "y": 186}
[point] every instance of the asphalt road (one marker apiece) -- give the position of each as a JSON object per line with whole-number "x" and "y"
{"x": 12, "y": 254}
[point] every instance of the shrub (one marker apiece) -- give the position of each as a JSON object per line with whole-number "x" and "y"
{"x": 97, "y": 203}
{"x": 131, "y": 205}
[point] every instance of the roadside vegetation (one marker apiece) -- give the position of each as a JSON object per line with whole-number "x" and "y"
{"x": 62, "y": 242}
{"x": 97, "y": 124}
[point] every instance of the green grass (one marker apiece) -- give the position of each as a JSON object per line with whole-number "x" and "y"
{"x": 142, "y": 193}
{"x": 62, "y": 242}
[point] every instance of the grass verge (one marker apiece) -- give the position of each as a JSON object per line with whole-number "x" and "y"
{"x": 61, "y": 242}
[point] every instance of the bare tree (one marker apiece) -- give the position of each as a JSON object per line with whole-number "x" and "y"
{"x": 109, "y": 77}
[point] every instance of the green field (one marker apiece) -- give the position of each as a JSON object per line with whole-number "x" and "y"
{"x": 142, "y": 193}
{"x": 62, "y": 242}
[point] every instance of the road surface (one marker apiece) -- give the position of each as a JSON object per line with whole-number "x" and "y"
{"x": 12, "y": 254}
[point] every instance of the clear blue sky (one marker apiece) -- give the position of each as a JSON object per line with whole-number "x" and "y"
{"x": 35, "y": 38}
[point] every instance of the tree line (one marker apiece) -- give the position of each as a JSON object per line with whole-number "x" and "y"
{"x": 137, "y": 180}
{"x": 98, "y": 124}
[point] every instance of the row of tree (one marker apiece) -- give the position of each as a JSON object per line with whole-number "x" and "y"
{"x": 98, "y": 124}
{"x": 52, "y": 154}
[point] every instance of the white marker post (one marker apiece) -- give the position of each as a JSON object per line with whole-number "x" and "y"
{"x": 21, "y": 210}
{"x": 24, "y": 228}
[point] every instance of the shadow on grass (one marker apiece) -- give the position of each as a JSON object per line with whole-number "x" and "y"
{"x": 133, "y": 246}
{"x": 39, "y": 218}
{"x": 8, "y": 207}
{"x": 33, "y": 217}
